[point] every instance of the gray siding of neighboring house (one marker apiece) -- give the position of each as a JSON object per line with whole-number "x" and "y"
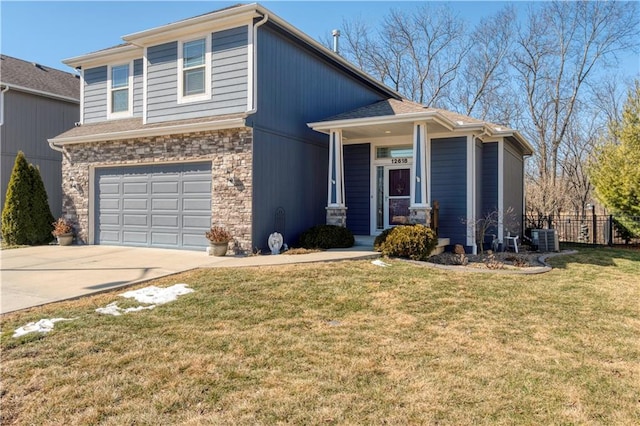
{"x": 95, "y": 94}
{"x": 228, "y": 76}
{"x": 449, "y": 186}
{"x": 137, "y": 87}
{"x": 513, "y": 191}
{"x": 295, "y": 87}
{"x": 30, "y": 120}
{"x": 357, "y": 179}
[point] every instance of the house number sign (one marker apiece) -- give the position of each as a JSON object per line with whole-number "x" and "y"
{"x": 399, "y": 160}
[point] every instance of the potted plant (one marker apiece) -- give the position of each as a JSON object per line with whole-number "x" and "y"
{"x": 63, "y": 231}
{"x": 219, "y": 240}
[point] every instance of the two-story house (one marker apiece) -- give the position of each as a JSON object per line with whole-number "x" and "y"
{"x": 36, "y": 103}
{"x": 223, "y": 119}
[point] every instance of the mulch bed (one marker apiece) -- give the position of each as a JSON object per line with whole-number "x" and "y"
{"x": 489, "y": 260}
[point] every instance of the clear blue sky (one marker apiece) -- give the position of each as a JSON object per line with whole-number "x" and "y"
{"x": 47, "y": 32}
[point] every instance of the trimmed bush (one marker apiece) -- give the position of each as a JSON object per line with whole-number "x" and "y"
{"x": 381, "y": 238}
{"x": 41, "y": 213}
{"x": 326, "y": 237}
{"x": 26, "y": 217}
{"x": 17, "y": 225}
{"x": 414, "y": 242}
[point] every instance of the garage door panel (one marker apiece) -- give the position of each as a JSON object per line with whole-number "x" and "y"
{"x": 165, "y": 220}
{"x": 197, "y": 187}
{"x": 170, "y": 204}
{"x": 135, "y": 237}
{"x": 164, "y": 187}
{"x": 199, "y": 222}
{"x": 136, "y": 220}
{"x": 196, "y": 205}
{"x": 135, "y": 188}
{"x": 109, "y": 204}
{"x": 110, "y": 219}
{"x": 135, "y": 204}
{"x": 154, "y": 205}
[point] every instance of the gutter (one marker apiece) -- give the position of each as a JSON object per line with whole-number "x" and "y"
{"x": 39, "y": 92}
{"x": 254, "y": 106}
{"x": 149, "y": 131}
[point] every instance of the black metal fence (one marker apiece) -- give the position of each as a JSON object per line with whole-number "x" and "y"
{"x": 588, "y": 228}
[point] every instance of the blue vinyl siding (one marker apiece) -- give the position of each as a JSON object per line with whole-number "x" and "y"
{"x": 95, "y": 94}
{"x": 513, "y": 178}
{"x": 449, "y": 186}
{"x": 137, "y": 87}
{"x": 295, "y": 86}
{"x": 357, "y": 177}
{"x": 229, "y": 70}
{"x": 291, "y": 174}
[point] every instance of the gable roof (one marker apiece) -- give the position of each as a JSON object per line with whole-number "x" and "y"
{"x": 31, "y": 77}
{"x": 404, "y": 110}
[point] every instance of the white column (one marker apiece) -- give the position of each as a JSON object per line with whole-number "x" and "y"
{"x": 419, "y": 167}
{"x": 420, "y": 211}
{"x": 336, "y": 209}
{"x": 335, "y": 196}
{"x": 501, "y": 190}
{"x": 471, "y": 193}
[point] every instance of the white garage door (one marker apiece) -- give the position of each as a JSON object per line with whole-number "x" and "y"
{"x": 165, "y": 206}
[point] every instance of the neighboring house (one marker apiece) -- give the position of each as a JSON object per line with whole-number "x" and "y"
{"x": 221, "y": 119}
{"x": 36, "y": 103}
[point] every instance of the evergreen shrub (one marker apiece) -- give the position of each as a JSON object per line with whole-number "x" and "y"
{"x": 326, "y": 237}
{"x": 414, "y": 242}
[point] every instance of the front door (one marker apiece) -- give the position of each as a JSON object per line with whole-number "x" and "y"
{"x": 394, "y": 196}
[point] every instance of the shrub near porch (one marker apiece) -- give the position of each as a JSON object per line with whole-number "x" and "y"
{"x": 343, "y": 343}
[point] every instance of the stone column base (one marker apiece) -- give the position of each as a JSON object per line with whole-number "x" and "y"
{"x": 420, "y": 215}
{"x": 337, "y": 216}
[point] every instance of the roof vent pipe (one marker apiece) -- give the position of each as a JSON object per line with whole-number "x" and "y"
{"x": 336, "y": 36}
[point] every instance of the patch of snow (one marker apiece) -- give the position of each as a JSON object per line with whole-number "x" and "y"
{"x": 115, "y": 310}
{"x": 156, "y": 295}
{"x": 43, "y": 326}
{"x": 379, "y": 262}
{"x": 151, "y": 296}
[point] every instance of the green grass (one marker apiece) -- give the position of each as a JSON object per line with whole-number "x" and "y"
{"x": 343, "y": 343}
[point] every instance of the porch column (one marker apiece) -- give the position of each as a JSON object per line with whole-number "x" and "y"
{"x": 419, "y": 209}
{"x": 336, "y": 210}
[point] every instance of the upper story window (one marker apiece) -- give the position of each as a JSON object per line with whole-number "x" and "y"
{"x": 120, "y": 92}
{"x": 194, "y": 65}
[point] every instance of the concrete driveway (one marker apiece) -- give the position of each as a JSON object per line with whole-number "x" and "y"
{"x": 34, "y": 276}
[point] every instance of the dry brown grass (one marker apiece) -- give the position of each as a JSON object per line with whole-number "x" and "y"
{"x": 343, "y": 343}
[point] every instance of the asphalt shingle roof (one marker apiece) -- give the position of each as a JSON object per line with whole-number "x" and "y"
{"x": 17, "y": 72}
{"x": 397, "y": 107}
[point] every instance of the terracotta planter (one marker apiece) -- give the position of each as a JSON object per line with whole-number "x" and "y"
{"x": 218, "y": 249}
{"x": 65, "y": 239}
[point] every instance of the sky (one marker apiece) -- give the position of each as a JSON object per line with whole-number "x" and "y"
{"x": 48, "y": 32}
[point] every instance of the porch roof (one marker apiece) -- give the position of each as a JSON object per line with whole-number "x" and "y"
{"x": 393, "y": 117}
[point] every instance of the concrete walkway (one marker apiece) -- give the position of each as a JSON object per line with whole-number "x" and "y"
{"x": 36, "y": 276}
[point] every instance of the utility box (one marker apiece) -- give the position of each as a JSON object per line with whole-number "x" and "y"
{"x": 545, "y": 239}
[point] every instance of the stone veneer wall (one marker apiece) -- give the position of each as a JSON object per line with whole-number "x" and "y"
{"x": 229, "y": 150}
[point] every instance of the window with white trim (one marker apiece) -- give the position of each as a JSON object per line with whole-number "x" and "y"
{"x": 120, "y": 91}
{"x": 194, "y": 64}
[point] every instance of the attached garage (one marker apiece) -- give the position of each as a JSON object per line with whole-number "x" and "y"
{"x": 167, "y": 206}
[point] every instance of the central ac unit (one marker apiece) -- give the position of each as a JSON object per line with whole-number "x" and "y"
{"x": 545, "y": 239}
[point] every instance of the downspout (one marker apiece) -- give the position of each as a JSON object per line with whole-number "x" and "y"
{"x": 254, "y": 107}
{"x": 5, "y": 90}
{"x": 54, "y": 147}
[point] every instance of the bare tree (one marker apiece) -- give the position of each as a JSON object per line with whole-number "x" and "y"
{"x": 483, "y": 87}
{"x": 559, "y": 51}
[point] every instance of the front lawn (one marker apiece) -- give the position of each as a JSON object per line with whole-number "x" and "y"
{"x": 342, "y": 343}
